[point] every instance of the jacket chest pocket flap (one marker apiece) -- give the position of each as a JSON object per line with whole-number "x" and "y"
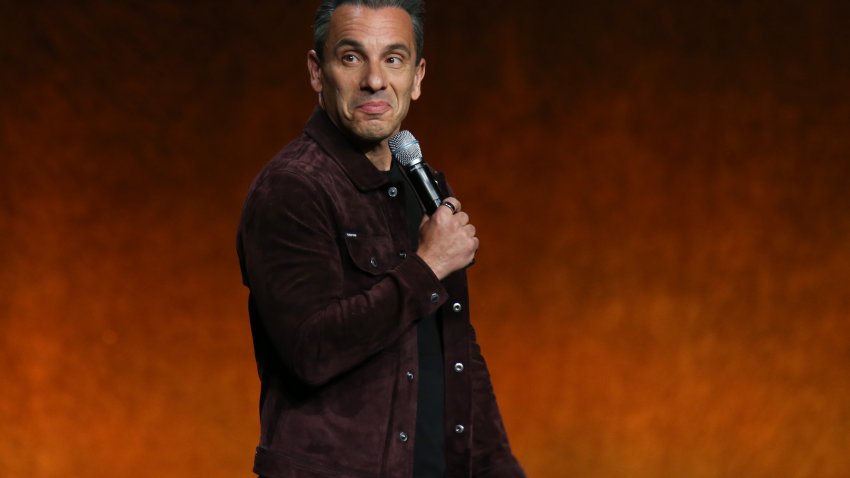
{"x": 373, "y": 255}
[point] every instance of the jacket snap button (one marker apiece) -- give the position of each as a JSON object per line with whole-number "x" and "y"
{"x": 459, "y": 367}
{"x": 393, "y": 191}
{"x": 458, "y": 429}
{"x": 457, "y": 307}
{"x": 373, "y": 262}
{"x": 403, "y": 436}
{"x": 409, "y": 375}
{"x": 435, "y": 297}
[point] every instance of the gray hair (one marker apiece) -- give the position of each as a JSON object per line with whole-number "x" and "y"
{"x": 414, "y": 8}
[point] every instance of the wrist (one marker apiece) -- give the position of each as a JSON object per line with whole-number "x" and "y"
{"x": 433, "y": 264}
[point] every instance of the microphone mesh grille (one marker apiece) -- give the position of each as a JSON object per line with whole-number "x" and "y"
{"x": 405, "y": 148}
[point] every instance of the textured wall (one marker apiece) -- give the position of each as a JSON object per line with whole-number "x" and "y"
{"x": 662, "y": 288}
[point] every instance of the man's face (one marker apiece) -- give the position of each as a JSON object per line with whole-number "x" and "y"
{"x": 369, "y": 74}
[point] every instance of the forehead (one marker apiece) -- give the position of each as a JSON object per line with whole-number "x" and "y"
{"x": 372, "y": 27}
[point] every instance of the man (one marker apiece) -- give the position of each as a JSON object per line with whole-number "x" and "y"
{"x": 359, "y": 313}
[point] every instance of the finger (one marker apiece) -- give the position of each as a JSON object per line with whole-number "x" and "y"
{"x": 443, "y": 213}
{"x": 453, "y": 204}
{"x": 462, "y": 219}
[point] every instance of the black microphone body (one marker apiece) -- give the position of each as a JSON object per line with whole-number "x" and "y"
{"x": 425, "y": 185}
{"x": 405, "y": 149}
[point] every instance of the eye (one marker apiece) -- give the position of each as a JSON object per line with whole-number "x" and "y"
{"x": 349, "y": 58}
{"x": 395, "y": 60}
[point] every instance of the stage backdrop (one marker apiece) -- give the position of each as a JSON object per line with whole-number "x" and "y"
{"x": 660, "y": 188}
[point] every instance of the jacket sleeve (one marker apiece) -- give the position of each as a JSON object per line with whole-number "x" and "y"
{"x": 491, "y": 452}
{"x": 291, "y": 259}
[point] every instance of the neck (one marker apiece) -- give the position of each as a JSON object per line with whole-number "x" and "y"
{"x": 379, "y": 155}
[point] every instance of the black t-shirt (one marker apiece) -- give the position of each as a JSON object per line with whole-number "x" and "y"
{"x": 428, "y": 453}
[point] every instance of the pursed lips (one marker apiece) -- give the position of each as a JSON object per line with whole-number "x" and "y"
{"x": 374, "y": 107}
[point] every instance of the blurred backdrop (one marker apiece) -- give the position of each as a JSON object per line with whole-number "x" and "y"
{"x": 660, "y": 189}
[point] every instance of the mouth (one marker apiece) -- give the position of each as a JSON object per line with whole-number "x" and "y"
{"x": 373, "y": 107}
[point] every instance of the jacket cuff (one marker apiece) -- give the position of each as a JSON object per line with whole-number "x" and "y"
{"x": 424, "y": 291}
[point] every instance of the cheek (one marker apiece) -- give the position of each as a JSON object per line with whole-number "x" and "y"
{"x": 346, "y": 92}
{"x": 337, "y": 83}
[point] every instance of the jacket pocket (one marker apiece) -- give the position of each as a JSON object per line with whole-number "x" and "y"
{"x": 373, "y": 255}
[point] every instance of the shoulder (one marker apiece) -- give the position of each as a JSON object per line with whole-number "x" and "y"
{"x": 301, "y": 165}
{"x": 303, "y": 157}
{"x": 291, "y": 183}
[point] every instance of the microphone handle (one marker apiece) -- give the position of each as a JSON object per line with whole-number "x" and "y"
{"x": 425, "y": 186}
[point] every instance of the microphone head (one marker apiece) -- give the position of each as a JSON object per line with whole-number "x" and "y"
{"x": 405, "y": 148}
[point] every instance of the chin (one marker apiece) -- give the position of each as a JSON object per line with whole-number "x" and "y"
{"x": 374, "y": 133}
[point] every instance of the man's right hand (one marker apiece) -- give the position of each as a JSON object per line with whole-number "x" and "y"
{"x": 447, "y": 240}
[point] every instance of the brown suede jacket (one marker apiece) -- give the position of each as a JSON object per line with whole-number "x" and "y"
{"x": 334, "y": 297}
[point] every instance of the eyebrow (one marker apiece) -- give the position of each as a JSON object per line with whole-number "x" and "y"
{"x": 359, "y": 46}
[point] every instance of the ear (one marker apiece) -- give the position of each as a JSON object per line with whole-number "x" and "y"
{"x": 314, "y": 67}
{"x": 418, "y": 75}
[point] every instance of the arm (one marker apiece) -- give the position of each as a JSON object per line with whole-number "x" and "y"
{"x": 292, "y": 259}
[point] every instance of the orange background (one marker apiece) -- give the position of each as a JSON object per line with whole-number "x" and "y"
{"x": 660, "y": 189}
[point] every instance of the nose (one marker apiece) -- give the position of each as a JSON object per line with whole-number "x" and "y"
{"x": 373, "y": 77}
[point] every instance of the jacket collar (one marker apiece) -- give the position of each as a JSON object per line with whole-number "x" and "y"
{"x": 356, "y": 165}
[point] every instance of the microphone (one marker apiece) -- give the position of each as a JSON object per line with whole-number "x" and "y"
{"x": 405, "y": 149}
